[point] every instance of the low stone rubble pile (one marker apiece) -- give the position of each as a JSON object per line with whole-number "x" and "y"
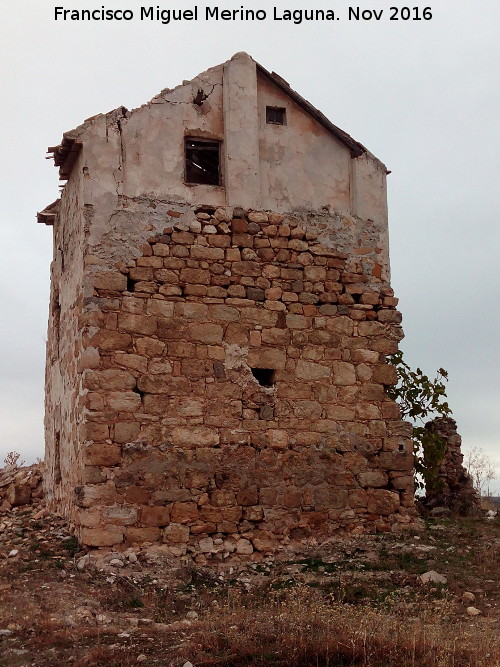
{"x": 20, "y": 485}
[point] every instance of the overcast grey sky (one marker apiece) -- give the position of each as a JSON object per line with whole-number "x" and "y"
{"x": 423, "y": 96}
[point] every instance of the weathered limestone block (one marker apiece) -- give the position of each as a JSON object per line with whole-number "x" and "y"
{"x": 137, "y": 324}
{"x": 196, "y": 436}
{"x": 111, "y": 340}
{"x": 373, "y": 479}
{"x": 92, "y": 495}
{"x": 161, "y": 383}
{"x": 141, "y": 535}
{"x": 308, "y": 370}
{"x": 126, "y": 431}
{"x": 102, "y": 455}
{"x": 19, "y": 494}
{"x": 358, "y": 498}
{"x": 110, "y": 280}
{"x": 155, "y": 516}
{"x": 206, "y": 333}
{"x": 183, "y": 513}
{"x": 121, "y": 516}
{"x": 176, "y": 533}
{"x": 96, "y": 431}
{"x": 381, "y": 501}
{"x": 105, "y": 536}
{"x": 123, "y": 401}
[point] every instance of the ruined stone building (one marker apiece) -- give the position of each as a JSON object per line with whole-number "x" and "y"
{"x": 219, "y": 319}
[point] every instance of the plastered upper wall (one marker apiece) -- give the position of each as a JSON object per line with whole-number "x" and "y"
{"x": 298, "y": 166}
{"x": 152, "y": 140}
{"x": 302, "y": 165}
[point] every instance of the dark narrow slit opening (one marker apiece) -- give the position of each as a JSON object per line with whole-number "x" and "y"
{"x": 138, "y": 391}
{"x": 264, "y": 376}
{"x": 57, "y": 458}
{"x": 130, "y": 284}
{"x": 54, "y": 344}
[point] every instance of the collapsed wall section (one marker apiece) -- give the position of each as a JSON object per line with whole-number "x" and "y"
{"x": 450, "y": 491}
{"x": 234, "y": 383}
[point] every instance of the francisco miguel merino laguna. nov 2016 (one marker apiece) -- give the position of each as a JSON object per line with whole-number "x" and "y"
{"x": 214, "y": 13}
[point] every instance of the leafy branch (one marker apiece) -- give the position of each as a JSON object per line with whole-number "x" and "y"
{"x": 422, "y": 399}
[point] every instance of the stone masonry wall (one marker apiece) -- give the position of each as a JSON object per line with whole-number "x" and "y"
{"x": 184, "y": 445}
{"x": 453, "y": 491}
{"x": 64, "y": 394}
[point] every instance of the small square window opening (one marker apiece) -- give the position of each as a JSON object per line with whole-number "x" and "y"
{"x": 202, "y": 161}
{"x": 275, "y": 116}
{"x": 264, "y": 376}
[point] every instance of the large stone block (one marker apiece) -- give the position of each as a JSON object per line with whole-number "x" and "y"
{"x": 123, "y": 401}
{"x": 107, "y": 340}
{"x": 373, "y": 478}
{"x": 96, "y": 431}
{"x": 92, "y": 495}
{"x": 175, "y": 533}
{"x": 163, "y": 384}
{"x": 119, "y": 515}
{"x": 109, "y": 379}
{"x": 267, "y": 358}
{"x": 194, "y": 436}
{"x": 330, "y": 497}
{"x": 206, "y": 333}
{"x": 110, "y": 280}
{"x": 160, "y": 307}
{"x": 184, "y": 513}
{"x": 343, "y": 373}
{"x": 381, "y": 501}
{"x": 195, "y": 276}
{"x": 137, "y": 324}
{"x": 19, "y": 494}
{"x": 141, "y": 535}
{"x": 308, "y": 370}
{"x": 208, "y": 253}
{"x": 386, "y": 374}
{"x": 102, "y": 455}
{"x": 155, "y": 516}
{"x": 126, "y": 431}
{"x": 105, "y": 536}
{"x": 223, "y": 498}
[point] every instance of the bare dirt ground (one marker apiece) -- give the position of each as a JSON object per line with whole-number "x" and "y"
{"x": 352, "y": 602}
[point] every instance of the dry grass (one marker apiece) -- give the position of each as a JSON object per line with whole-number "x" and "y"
{"x": 358, "y": 604}
{"x": 301, "y": 629}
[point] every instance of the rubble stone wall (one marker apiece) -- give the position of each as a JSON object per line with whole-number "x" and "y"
{"x": 452, "y": 489}
{"x": 64, "y": 409}
{"x": 181, "y": 442}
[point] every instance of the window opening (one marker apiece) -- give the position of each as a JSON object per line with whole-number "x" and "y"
{"x": 55, "y": 338}
{"x": 202, "y": 161}
{"x": 130, "y": 284}
{"x": 275, "y": 115}
{"x": 57, "y": 458}
{"x": 264, "y": 376}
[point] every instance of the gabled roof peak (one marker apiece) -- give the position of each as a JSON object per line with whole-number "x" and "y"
{"x": 65, "y": 154}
